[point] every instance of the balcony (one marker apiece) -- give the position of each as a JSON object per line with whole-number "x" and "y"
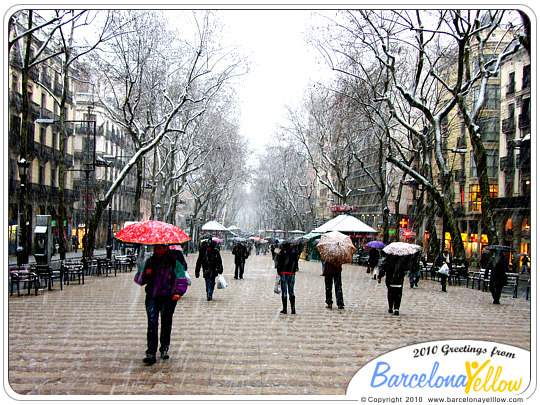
{"x": 511, "y": 203}
{"x": 524, "y": 120}
{"x": 509, "y": 126}
{"x": 506, "y": 164}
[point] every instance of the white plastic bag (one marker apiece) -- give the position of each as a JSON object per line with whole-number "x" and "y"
{"x": 444, "y": 269}
{"x": 221, "y": 283}
{"x": 277, "y": 286}
{"x": 188, "y": 278}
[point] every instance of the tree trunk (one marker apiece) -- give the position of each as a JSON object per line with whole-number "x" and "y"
{"x": 488, "y": 216}
{"x": 136, "y": 209}
{"x": 62, "y": 164}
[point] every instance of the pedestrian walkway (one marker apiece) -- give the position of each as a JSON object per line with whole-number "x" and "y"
{"x": 90, "y": 339}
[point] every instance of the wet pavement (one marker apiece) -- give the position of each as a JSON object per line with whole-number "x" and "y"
{"x": 90, "y": 339}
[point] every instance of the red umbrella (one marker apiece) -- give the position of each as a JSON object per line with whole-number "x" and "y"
{"x": 152, "y": 233}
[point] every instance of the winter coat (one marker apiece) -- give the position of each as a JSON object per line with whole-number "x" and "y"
{"x": 498, "y": 267}
{"x": 163, "y": 277}
{"x": 331, "y": 270}
{"x": 394, "y": 268}
{"x": 373, "y": 257}
{"x": 240, "y": 253}
{"x": 210, "y": 261}
{"x": 180, "y": 257}
{"x": 287, "y": 261}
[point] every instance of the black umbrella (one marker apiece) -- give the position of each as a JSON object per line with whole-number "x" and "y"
{"x": 501, "y": 248}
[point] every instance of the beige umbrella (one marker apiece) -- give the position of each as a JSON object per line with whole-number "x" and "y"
{"x": 336, "y": 248}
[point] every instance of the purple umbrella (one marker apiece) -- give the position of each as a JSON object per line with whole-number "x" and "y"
{"x": 377, "y": 244}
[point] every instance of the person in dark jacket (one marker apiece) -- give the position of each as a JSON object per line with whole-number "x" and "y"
{"x": 240, "y": 253}
{"x": 166, "y": 282}
{"x": 497, "y": 276}
{"x": 444, "y": 258}
{"x": 287, "y": 266}
{"x": 373, "y": 260}
{"x": 394, "y": 268}
{"x": 332, "y": 278}
{"x": 210, "y": 261}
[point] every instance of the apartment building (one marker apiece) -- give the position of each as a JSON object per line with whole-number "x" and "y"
{"x": 95, "y": 150}
{"x": 42, "y": 143}
{"x": 513, "y": 205}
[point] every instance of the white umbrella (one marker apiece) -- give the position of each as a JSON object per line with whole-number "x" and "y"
{"x": 336, "y": 248}
{"x": 401, "y": 249}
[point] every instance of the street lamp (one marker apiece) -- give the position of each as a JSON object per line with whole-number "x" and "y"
{"x": 109, "y": 246}
{"x": 23, "y": 249}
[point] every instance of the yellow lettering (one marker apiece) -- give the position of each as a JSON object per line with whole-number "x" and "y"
{"x": 491, "y": 380}
{"x": 471, "y": 376}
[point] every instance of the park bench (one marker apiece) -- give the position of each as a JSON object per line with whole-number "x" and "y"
{"x": 46, "y": 273}
{"x": 72, "y": 269}
{"x": 25, "y": 275}
{"x": 511, "y": 287}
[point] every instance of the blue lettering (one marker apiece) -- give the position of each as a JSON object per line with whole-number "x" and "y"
{"x": 461, "y": 381}
{"x": 381, "y": 374}
{"x": 393, "y": 381}
{"x": 413, "y": 379}
{"x": 421, "y": 381}
{"x": 433, "y": 372}
{"x": 382, "y": 377}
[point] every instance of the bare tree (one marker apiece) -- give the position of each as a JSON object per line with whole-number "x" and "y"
{"x": 157, "y": 86}
{"x": 422, "y": 98}
{"x": 55, "y": 38}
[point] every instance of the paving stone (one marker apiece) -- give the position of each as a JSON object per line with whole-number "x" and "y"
{"x": 90, "y": 339}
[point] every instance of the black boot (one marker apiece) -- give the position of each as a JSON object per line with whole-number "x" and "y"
{"x": 293, "y": 308}
{"x": 150, "y": 359}
{"x": 284, "y": 301}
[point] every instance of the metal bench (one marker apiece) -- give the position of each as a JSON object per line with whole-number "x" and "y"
{"x": 72, "y": 269}
{"x": 511, "y": 287}
{"x": 46, "y": 273}
{"x": 23, "y": 274}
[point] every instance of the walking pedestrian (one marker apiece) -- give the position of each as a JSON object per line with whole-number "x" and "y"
{"x": 497, "y": 277}
{"x": 525, "y": 265}
{"x": 414, "y": 275}
{"x": 332, "y": 278}
{"x": 287, "y": 266}
{"x": 394, "y": 268}
{"x": 373, "y": 260}
{"x": 240, "y": 253}
{"x": 445, "y": 258}
{"x": 210, "y": 261}
{"x": 166, "y": 282}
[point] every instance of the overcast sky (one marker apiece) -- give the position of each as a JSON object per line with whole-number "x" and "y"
{"x": 282, "y": 65}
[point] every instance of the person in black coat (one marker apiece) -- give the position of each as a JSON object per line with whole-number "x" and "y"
{"x": 373, "y": 260}
{"x": 445, "y": 257}
{"x": 394, "y": 268}
{"x": 240, "y": 253}
{"x": 210, "y": 261}
{"x": 287, "y": 266}
{"x": 332, "y": 278}
{"x": 497, "y": 277}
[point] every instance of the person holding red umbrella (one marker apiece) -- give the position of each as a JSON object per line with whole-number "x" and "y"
{"x": 165, "y": 280}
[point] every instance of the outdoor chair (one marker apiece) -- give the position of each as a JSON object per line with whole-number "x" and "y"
{"x": 23, "y": 274}
{"x": 72, "y": 269}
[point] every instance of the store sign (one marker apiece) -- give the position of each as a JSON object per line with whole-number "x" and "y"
{"x": 340, "y": 208}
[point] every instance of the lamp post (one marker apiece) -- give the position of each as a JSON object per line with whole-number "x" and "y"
{"x": 23, "y": 249}
{"x": 109, "y": 236}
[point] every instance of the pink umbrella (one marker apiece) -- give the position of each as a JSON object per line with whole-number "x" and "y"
{"x": 152, "y": 233}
